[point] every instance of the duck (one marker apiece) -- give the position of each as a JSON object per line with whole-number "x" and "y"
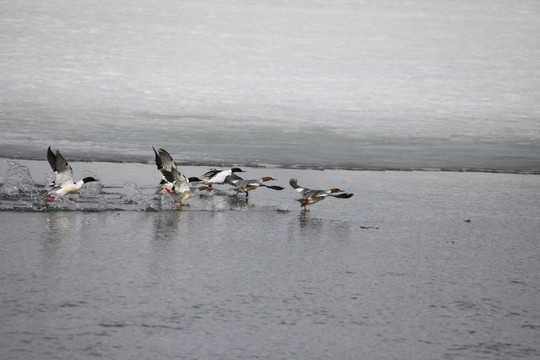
{"x": 63, "y": 183}
{"x": 174, "y": 182}
{"x": 214, "y": 176}
{"x": 310, "y": 196}
{"x": 245, "y": 186}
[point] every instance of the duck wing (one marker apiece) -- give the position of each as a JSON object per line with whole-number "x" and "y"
{"x": 179, "y": 181}
{"x": 342, "y": 196}
{"x": 167, "y": 166}
{"x": 219, "y": 177}
{"x": 165, "y": 160}
{"x": 157, "y": 159}
{"x": 300, "y": 189}
{"x": 209, "y": 174}
{"x": 273, "y": 187}
{"x": 242, "y": 184}
{"x": 60, "y": 166}
{"x": 312, "y": 194}
{"x": 234, "y": 180}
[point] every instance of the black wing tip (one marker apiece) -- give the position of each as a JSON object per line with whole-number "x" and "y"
{"x": 344, "y": 196}
{"x": 157, "y": 159}
{"x": 51, "y": 158}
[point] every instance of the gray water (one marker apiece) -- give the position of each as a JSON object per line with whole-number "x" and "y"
{"x": 416, "y": 265}
{"x": 339, "y": 84}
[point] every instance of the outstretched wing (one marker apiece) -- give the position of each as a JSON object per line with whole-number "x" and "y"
{"x": 166, "y": 160}
{"x": 167, "y": 166}
{"x": 342, "y": 196}
{"x": 294, "y": 184}
{"x": 209, "y": 174}
{"x": 60, "y": 166}
{"x": 234, "y": 180}
{"x": 167, "y": 176}
{"x": 315, "y": 194}
{"x": 273, "y": 187}
{"x": 179, "y": 181}
{"x": 159, "y": 164}
{"x": 220, "y": 177}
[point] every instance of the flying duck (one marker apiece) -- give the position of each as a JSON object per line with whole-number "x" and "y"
{"x": 245, "y": 186}
{"x": 312, "y": 196}
{"x": 174, "y": 182}
{"x": 214, "y": 176}
{"x": 63, "y": 184}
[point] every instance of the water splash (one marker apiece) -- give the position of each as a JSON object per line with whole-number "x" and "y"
{"x": 134, "y": 195}
{"x": 18, "y": 180}
{"x": 167, "y": 202}
{"x": 59, "y": 203}
{"x": 91, "y": 189}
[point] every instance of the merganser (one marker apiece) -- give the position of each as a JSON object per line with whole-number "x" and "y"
{"x": 312, "y": 196}
{"x": 245, "y": 186}
{"x": 63, "y": 184}
{"x": 214, "y": 176}
{"x": 174, "y": 182}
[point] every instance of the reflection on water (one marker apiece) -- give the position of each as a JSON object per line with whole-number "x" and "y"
{"x": 59, "y": 240}
{"x": 131, "y": 272}
{"x": 113, "y": 279}
{"x": 305, "y": 218}
{"x": 308, "y": 222}
{"x": 311, "y": 227}
{"x": 168, "y": 224}
{"x": 219, "y": 200}
{"x": 238, "y": 201}
{"x": 60, "y": 224}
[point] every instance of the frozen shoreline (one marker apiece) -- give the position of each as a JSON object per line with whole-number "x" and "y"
{"x": 356, "y": 85}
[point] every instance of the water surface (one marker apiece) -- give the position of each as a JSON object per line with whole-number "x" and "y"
{"x": 415, "y": 265}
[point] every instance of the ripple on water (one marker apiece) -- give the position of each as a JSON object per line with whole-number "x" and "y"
{"x": 495, "y": 350}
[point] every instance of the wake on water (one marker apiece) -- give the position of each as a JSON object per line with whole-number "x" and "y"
{"x": 19, "y": 192}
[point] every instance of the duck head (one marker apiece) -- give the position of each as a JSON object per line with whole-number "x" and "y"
{"x": 89, "y": 179}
